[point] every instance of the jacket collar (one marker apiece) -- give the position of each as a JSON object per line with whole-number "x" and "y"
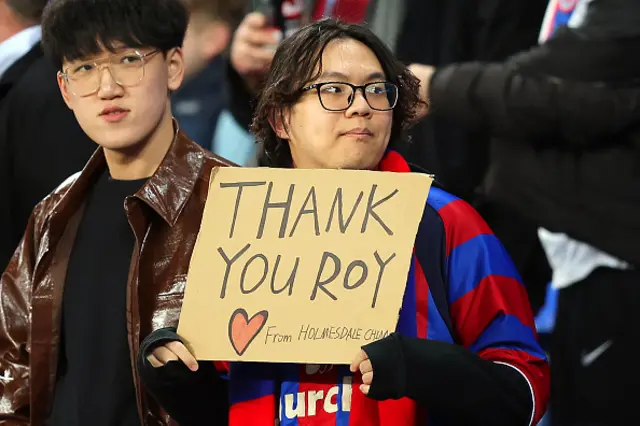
{"x": 169, "y": 188}
{"x": 166, "y": 191}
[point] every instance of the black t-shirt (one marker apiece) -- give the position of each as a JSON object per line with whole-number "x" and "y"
{"x": 95, "y": 380}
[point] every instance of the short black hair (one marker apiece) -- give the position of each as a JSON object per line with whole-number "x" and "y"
{"x": 30, "y": 10}
{"x": 75, "y": 29}
{"x": 298, "y": 61}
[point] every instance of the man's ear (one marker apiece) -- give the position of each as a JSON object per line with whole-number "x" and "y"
{"x": 175, "y": 66}
{"x": 64, "y": 90}
{"x": 277, "y": 118}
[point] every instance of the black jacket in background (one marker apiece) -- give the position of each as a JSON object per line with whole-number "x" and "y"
{"x": 41, "y": 144}
{"x": 442, "y": 32}
{"x": 567, "y": 119}
{"x": 15, "y": 72}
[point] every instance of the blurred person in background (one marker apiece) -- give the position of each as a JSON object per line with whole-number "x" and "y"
{"x": 442, "y": 32}
{"x": 565, "y": 157}
{"x": 198, "y": 103}
{"x": 19, "y": 40}
{"x": 32, "y": 113}
{"x": 34, "y": 156}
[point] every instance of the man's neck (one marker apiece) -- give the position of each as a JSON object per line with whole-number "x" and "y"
{"x": 144, "y": 159}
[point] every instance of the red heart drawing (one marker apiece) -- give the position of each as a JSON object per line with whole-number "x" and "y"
{"x": 243, "y": 330}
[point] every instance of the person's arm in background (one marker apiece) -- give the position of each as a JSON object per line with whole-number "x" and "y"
{"x": 15, "y": 319}
{"x": 496, "y": 374}
{"x": 507, "y": 103}
{"x": 251, "y": 56}
{"x": 191, "y": 393}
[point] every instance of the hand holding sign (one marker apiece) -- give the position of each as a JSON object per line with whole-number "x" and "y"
{"x": 172, "y": 351}
{"x": 300, "y": 265}
{"x": 362, "y": 364}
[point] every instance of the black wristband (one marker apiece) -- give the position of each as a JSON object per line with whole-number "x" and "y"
{"x": 389, "y": 369}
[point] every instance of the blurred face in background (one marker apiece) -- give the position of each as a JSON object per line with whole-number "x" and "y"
{"x": 355, "y": 138}
{"x": 206, "y": 38}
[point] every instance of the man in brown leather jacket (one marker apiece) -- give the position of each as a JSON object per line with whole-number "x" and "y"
{"x": 104, "y": 258}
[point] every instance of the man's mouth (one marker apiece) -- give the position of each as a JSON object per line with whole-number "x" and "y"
{"x": 113, "y": 111}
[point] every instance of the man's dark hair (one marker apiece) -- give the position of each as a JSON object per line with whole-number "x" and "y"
{"x": 74, "y": 29}
{"x": 298, "y": 61}
{"x": 28, "y": 10}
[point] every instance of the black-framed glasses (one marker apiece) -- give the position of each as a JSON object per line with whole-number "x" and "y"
{"x": 339, "y": 96}
{"x": 126, "y": 68}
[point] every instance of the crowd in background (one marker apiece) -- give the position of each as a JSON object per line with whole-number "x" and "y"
{"x": 533, "y": 118}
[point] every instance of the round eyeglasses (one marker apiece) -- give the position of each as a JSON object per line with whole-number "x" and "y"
{"x": 127, "y": 69}
{"x": 339, "y": 96}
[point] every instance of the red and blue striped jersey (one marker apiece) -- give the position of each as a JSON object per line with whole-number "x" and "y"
{"x": 489, "y": 311}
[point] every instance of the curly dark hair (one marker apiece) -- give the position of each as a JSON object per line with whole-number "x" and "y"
{"x": 298, "y": 61}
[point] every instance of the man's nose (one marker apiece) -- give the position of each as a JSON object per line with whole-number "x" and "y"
{"x": 359, "y": 106}
{"x": 108, "y": 85}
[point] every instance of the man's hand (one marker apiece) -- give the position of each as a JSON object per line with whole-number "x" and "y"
{"x": 172, "y": 351}
{"x": 251, "y": 48}
{"x": 424, "y": 74}
{"x": 363, "y": 364}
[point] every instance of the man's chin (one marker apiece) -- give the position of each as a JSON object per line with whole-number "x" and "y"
{"x": 364, "y": 163}
{"x": 355, "y": 166}
{"x": 126, "y": 147}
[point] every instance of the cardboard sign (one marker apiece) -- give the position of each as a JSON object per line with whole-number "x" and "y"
{"x": 302, "y": 266}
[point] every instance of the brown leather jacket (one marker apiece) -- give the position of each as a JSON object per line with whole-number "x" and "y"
{"x": 165, "y": 217}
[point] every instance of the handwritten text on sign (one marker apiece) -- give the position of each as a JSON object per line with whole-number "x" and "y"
{"x": 300, "y": 265}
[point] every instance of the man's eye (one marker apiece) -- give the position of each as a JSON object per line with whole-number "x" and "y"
{"x": 84, "y": 68}
{"x": 376, "y": 90}
{"x": 129, "y": 59}
{"x": 333, "y": 89}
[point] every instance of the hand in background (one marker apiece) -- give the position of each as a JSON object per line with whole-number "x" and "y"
{"x": 424, "y": 74}
{"x": 252, "y": 46}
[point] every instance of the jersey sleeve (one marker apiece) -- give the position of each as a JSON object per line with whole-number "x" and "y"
{"x": 489, "y": 305}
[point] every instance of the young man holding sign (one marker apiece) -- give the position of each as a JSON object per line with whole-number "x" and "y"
{"x": 104, "y": 258}
{"x": 336, "y": 98}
